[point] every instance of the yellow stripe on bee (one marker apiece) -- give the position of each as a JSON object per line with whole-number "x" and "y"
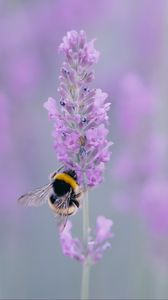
{"x": 67, "y": 178}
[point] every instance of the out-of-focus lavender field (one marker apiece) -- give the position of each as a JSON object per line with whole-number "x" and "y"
{"x": 132, "y": 39}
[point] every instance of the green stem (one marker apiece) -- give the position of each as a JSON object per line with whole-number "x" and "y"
{"x": 85, "y": 281}
{"x": 86, "y": 264}
{"x": 86, "y": 221}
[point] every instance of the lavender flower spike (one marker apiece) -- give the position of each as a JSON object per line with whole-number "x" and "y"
{"x": 80, "y": 140}
{"x": 80, "y": 115}
{"x": 73, "y": 247}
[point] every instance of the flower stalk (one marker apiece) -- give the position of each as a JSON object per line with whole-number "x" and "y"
{"x": 85, "y": 208}
{"x": 85, "y": 280}
{"x": 86, "y": 264}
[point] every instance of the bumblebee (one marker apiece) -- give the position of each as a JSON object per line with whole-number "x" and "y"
{"x": 63, "y": 195}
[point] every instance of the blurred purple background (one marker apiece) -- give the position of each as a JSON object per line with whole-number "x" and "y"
{"x": 132, "y": 39}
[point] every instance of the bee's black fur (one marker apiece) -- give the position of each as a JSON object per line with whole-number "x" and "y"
{"x": 53, "y": 198}
{"x": 60, "y": 187}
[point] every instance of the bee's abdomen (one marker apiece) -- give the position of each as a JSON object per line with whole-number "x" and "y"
{"x": 60, "y": 210}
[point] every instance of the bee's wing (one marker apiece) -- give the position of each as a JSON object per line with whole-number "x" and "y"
{"x": 37, "y": 197}
{"x": 62, "y": 217}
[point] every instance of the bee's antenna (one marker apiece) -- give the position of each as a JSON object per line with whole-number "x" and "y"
{"x": 60, "y": 169}
{"x": 55, "y": 172}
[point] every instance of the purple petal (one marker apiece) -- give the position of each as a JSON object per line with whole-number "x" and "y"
{"x": 103, "y": 229}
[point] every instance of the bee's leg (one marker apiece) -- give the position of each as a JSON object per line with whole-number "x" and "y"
{"x": 78, "y": 196}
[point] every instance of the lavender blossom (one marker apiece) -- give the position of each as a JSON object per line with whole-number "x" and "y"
{"x": 75, "y": 249}
{"x": 80, "y": 141}
{"x": 70, "y": 246}
{"x": 80, "y": 133}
